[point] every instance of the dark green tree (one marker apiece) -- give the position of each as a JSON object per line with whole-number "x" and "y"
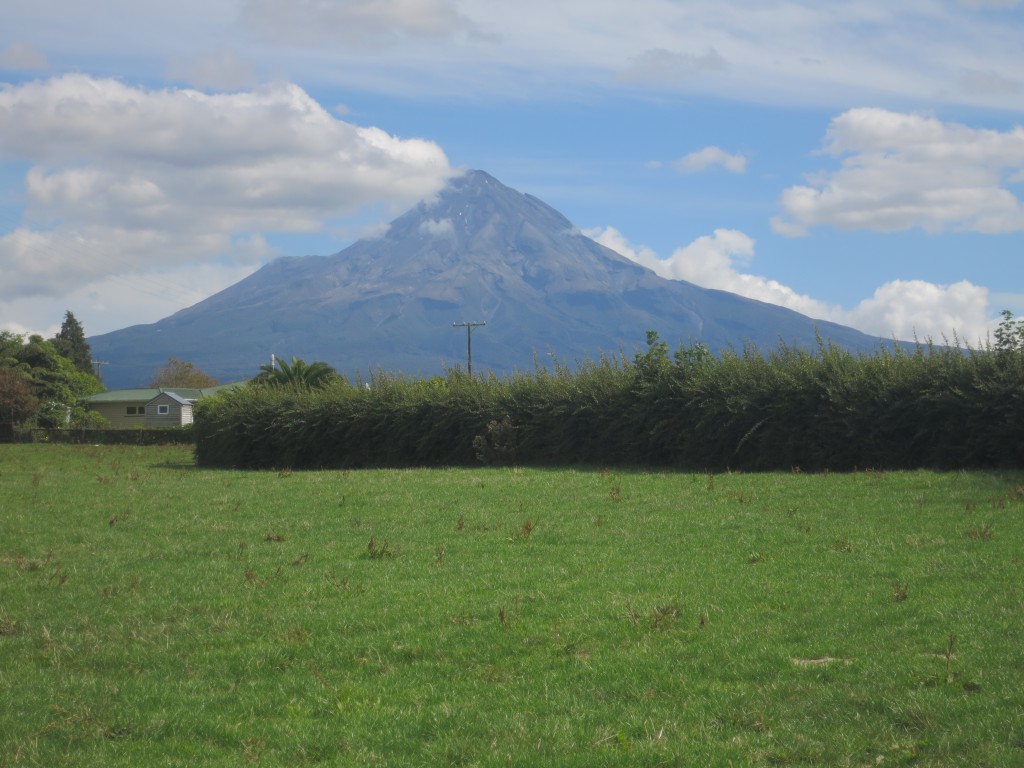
{"x": 70, "y": 342}
{"x": 297, "y": 374}
{"x": 10, "y": 345}
{"x": 17, "y": 403}
{"x": 55, "y": 381}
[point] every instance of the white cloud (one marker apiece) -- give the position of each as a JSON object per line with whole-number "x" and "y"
{"x": 359, "y": 23}
{"x": 124, "y": 180}
{"x": 610, "y": 237}
{"x": 987, "y": 81}
{"x": 709, "y": 157}
{"x": 801, "y": 52}
{"x": 714, "y": 261}
{"x": 902, "y": 308}
{"x": 22, "y": 56}
{"x": 662, "y": 67}
{"x": 224, "y": 70}
{"x": 991, "y": 3}
{"x": 123, "y": 299}
{"x": 438, "y": 227}
{"x": 35, "y": 264}
{"x": 927, "y": 310}
{"x": 798, "y": 52}
{"x": 900, "y": 171}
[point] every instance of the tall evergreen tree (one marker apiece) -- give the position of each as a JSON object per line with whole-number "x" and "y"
{"x": 71, "y": 343}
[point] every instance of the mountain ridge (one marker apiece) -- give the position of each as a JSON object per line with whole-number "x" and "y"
{"x": 479, "y": 251}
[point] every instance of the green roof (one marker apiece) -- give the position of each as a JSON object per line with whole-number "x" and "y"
{"x": 145, "y": 395}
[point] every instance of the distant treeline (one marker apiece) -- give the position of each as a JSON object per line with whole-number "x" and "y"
{"x": 927, "y": 406}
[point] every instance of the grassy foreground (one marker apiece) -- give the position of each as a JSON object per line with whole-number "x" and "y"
{"x": 156, "y": 614}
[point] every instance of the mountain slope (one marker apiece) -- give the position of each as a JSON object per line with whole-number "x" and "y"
{"x": 480, "y": 252}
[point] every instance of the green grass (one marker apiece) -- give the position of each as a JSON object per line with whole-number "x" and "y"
{"x": 156, "y": 614}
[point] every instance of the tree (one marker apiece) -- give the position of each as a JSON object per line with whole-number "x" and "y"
{"x": 56, "y": 385}
{"x": 297, "y": 374}
{"x": 181, "y": 373}
{"x": 655, "y": 363}
{"x": 71, "y": 343}
{"x": 54, "y": 380}
{"x": 17, "y": 403}
{"x": 1010, "y": 334}
{"x": 10, "y": 345}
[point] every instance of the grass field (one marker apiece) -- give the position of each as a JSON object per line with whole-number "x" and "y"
{"x": 155, "y": 614}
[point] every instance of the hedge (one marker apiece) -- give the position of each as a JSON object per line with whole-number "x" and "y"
{"x": 939, "y": 407}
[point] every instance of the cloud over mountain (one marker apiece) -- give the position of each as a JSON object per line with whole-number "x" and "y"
{"x": 903, "y": 309}
{"x": 123, "y": 179}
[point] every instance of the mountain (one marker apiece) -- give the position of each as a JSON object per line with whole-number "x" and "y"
{"x": 479, "y": 252}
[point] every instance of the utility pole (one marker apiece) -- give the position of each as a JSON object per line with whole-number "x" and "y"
{"x": 469, "y": 341}
{"x": 96, "y": 366}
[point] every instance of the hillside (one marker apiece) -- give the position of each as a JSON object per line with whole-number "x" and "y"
{"x": 480, "y": 252}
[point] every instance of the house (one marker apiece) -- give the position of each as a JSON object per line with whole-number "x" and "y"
{"x": 152, "y": 407}
{"x": 168, "y": 409}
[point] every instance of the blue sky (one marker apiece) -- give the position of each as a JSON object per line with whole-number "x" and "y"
{"x": 858, "y": 162}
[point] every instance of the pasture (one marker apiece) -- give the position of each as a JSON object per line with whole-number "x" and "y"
{"x": 153, "y": 613}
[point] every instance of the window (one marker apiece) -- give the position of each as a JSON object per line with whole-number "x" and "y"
{"x": 163, "y": 410}
{"x": 135, "y": 410}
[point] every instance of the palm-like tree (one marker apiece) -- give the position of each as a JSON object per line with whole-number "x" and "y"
{"x": 297, "y": 374}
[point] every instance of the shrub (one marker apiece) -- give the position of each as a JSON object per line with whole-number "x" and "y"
{"x": 827, "y": 408}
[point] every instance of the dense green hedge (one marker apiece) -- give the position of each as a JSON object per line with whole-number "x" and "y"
{"x": 827, "y": 409}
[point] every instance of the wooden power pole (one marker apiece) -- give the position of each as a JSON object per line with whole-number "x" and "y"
{"x": 469, "y": 342}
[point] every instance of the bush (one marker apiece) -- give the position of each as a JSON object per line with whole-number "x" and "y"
{"x": 829, "y": 408}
